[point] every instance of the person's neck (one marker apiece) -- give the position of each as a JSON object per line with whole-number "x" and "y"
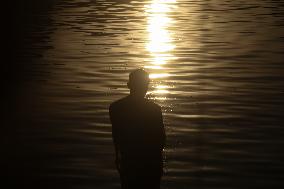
{"x": 137, "y": 96}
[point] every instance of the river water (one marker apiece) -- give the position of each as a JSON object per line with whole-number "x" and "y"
{"x": 216, "y": 69}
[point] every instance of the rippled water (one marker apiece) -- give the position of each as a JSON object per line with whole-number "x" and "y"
{"x": 217, "y": 71}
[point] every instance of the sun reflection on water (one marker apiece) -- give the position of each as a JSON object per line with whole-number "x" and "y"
{"x": 160, "y": 43}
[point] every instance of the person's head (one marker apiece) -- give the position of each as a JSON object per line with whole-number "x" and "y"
{"x": 138, "y": 82}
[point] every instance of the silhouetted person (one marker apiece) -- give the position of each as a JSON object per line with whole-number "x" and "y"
{"x": 138, "y": 135}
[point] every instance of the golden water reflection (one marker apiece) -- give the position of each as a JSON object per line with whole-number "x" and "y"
{"x": 160, "y": 42}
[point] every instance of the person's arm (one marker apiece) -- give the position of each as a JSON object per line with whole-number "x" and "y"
{"x": 162, "y": 127}
{"x": 115, "y": 141}
{"x": 163, "y": 137}
{"x": 117, "y": 157}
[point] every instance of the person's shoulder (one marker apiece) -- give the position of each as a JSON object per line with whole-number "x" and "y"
{"x": 118, "y": 103}
{"x": 154, "y": 105}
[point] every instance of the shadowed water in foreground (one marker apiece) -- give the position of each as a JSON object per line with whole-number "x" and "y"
{"x": 216, "y": 68}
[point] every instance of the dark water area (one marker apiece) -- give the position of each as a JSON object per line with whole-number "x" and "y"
{"x": 216, "y": 69}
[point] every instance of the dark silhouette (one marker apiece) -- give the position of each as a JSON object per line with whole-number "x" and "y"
{"x": 138, "y": 135}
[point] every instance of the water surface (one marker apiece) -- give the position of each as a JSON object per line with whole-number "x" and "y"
{"x": 216, "y": 69}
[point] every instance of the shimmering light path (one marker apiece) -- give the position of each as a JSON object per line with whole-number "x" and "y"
{"x": 160, "y": 42}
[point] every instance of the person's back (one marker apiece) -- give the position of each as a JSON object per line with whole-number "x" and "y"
{"x": 139, "y": 137}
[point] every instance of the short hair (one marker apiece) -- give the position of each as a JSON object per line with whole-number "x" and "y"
{"x": 139, "y": 76}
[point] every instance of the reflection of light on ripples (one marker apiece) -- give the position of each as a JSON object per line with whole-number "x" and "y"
{"x": 161, "y": 89}
{"x": 159, "y": 40}
{"x": 162, "y": 86}
{"x": 158, "y": 75}
{"x": 153, "y": 67}
{"x": 159, "y": 37}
